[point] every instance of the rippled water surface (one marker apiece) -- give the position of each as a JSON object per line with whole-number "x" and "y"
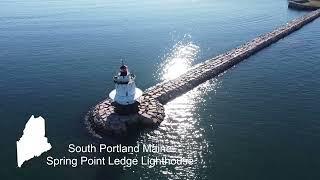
{"x": 258, "y": 120}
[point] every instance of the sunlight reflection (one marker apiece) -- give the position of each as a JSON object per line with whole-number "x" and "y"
{"x": 182, "y": 130}
{"x": 179, "y": 60}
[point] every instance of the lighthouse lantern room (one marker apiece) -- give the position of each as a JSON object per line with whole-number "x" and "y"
{"x": 125, "y": 92}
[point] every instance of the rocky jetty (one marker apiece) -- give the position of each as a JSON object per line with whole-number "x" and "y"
{"x": 103, "y": 118}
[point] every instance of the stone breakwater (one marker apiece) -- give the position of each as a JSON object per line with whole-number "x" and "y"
{"x": 103, "y": 120}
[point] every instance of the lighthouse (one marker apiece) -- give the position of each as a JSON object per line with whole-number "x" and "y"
{"x": 126, "y": 93}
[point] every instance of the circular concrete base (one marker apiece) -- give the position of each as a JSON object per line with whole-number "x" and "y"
{"x": 106, "y": 118}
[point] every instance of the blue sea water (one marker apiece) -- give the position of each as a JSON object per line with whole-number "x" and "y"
{"x": 258, "y": 120}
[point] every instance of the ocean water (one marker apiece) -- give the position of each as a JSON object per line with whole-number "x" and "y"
{"x": 258, "y": 120}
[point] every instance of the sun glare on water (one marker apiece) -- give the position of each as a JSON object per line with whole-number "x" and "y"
{"x": 181, "y": 130}
{"x": 179, "y": 60}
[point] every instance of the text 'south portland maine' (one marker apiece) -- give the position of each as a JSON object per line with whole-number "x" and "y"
{"x": 105, "y": 159}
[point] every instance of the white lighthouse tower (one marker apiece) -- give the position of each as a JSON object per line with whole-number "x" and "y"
{"x": 126, "y": 92}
